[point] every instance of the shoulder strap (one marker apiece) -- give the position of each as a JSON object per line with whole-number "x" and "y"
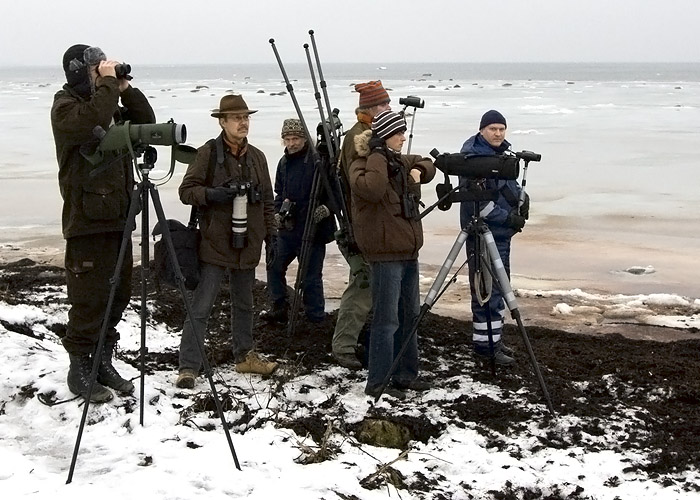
{"x": 194, "y": 218}
{"x": 508, "y": 194}
{"x": 283, "y": 171}
{"x": 216, "y": 145}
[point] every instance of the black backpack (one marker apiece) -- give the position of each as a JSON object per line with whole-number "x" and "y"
{"x": 186, "y": 242}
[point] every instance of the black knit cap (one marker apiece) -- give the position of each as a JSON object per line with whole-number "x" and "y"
{"x": 490, "y": 117}
{"x": 79, "y": 74}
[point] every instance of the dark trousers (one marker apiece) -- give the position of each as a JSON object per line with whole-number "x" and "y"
{"x": 90, "y": 263}
{"x": 494, "y": 309}
{"x": 241, "y": 292}
{"x": 288, "y": 249}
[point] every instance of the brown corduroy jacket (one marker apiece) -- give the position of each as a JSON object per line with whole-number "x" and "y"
{"x": 215, "y": 220}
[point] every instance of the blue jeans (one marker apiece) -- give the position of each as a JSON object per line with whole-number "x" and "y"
{"x": 493, "y": 311}
{"x": 241, "y": 292}
{"x": 395, "y": 300}
{"x": 288, "y": 249}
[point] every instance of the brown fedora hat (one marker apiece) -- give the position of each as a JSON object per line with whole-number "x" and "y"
{"x": 232, "y": 104}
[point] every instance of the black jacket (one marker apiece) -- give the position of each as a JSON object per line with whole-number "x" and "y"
{"x": 294, "y": 181}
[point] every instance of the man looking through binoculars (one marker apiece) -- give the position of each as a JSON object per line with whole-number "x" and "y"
{"x": 95, "y": 209}
{"x": 504, "y": 218}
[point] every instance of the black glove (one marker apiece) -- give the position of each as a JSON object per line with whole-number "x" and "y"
{"x": 376, "y": 144}
{"x": 515, "y": 221}
{"x": 525, "y": 207}
{"x": 220, "y": 194}
{"x": 270, "y": 250}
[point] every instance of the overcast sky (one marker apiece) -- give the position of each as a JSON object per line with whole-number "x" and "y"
{"x": 37, "y": 32}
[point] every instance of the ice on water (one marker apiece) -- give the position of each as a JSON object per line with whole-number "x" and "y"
{"x": 616, "y": 187}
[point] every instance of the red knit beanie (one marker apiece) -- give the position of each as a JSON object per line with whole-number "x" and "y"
{"x": 372, "y": 94}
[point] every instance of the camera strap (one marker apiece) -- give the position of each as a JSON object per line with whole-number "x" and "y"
{"x": 509, "y": 195}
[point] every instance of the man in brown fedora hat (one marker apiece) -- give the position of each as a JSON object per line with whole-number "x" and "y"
{"x": 230, "y": 184}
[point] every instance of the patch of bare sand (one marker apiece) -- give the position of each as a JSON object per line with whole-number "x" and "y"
{"x": 553, "y": 254}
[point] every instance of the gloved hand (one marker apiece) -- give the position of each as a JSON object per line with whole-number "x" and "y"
{"x": 376, "y": 143}
{"x": 278, "y": 220}
{"x": 320, "y": 213}
{"x": 220, "y": 194}
{"x": 270, "y": 250}
{"x": 515, "y": 221}
{"x": 525, "y": 207}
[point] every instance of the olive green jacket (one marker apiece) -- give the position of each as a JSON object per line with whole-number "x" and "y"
{"x": 98, "y": 203}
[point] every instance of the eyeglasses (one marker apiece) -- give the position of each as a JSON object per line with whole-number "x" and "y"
{"x": 239, "y": 118}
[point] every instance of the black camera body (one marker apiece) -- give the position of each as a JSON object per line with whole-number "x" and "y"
{"x": 287, "y": 213}
{"x": 246, "y": 188}
{"x": 413, "y": 101}
{"x": 409, "y": 206}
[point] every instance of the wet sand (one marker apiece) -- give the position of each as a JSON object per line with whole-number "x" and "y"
{"x": 552, "y": 254}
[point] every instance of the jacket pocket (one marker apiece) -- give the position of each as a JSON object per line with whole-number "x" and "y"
{"x": 102, "y": 203}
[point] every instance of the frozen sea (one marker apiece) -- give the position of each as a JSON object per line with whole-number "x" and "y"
{"x": 614, "y": 199}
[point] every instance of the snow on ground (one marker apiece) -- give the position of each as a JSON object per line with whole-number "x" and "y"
{"x": 180, "y": 455}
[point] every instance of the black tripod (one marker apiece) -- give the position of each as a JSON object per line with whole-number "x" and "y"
{"x": 487, "y": 259}
{"x": 139, "y": 201}
{"x": 325, "y": 180}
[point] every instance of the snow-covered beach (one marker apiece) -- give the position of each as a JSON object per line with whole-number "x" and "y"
{"x": 614, "y": 197}
{"x": 611, "y": 245}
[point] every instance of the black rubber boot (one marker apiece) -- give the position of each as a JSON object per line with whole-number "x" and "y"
{"x": 108, "y": 375}
{"x": 278, "y": 314}
{"x": 79, "y": 379}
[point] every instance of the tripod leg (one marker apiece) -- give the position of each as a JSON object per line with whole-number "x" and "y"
{"x": 303, "y": 258}
{"x": 433, "y": 294}
{"x": 504, "y": 284}
{"x": 144, "y": 293}
{"x": 482, "y": 284}
{"x": 183, "y": 292}
{"x": 130, "y": 224}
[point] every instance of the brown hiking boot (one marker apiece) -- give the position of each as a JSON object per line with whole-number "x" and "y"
{"x": 185, "y": 379}
{"x": 256, "y": 363}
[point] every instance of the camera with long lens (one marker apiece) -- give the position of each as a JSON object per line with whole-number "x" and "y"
{"x": 129, "y": 136}
{"x": 413, "y": 101}
{"x": 244, "y": 192}
{"x": 287, "y": 213}
{"x": 239, "y": 216}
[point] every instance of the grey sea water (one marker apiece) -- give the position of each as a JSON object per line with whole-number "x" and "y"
{"x": 617, "y": 184}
